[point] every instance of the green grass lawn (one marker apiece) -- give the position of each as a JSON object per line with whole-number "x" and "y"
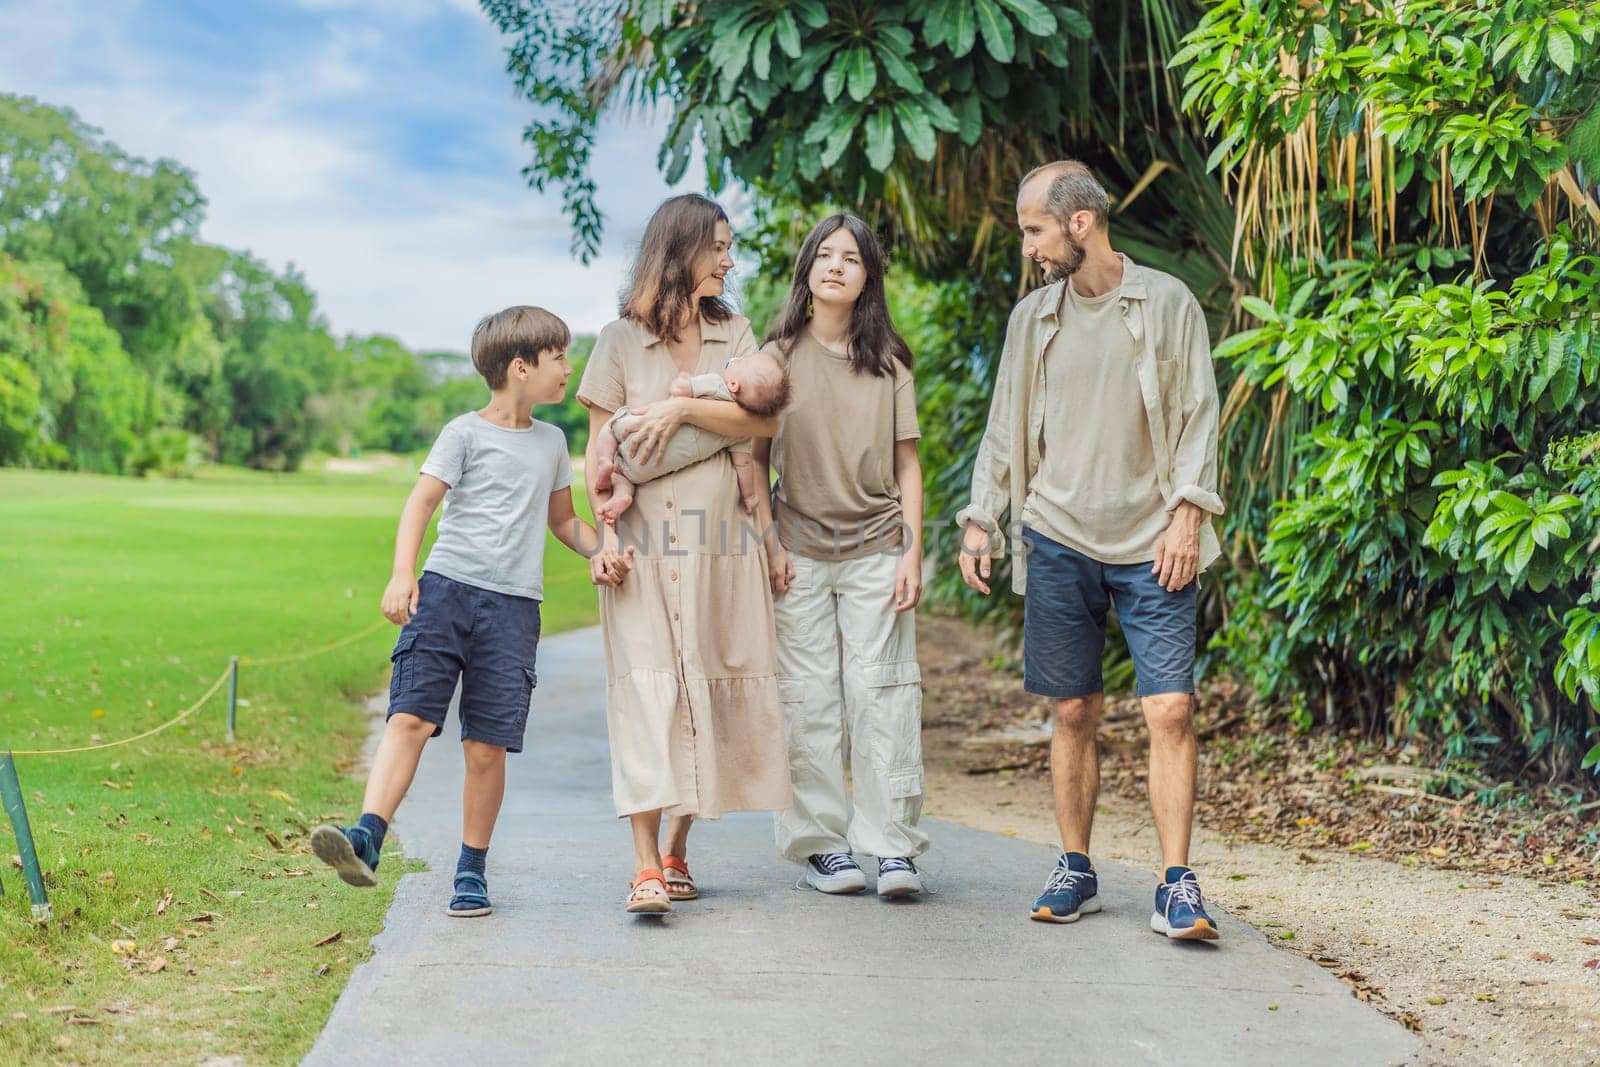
{"x": 187, "y": 905}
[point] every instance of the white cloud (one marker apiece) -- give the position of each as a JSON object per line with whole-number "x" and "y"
{"x": 389, "y": 243}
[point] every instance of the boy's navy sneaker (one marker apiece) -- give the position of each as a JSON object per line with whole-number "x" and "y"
{"x": 471, "y": 895}
{"x": 349, "y": 851}
{"x": 1180, "y": 910}
{"x": 835, "y": 872}
{"x": 898, "y": 877}
{"x": 1071, "y": 891}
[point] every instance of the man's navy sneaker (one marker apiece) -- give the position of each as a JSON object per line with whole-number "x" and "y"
{"x": 1180, "y": 910}
{"x": 1070, "y": 892}
{"x": 348, "y": 851}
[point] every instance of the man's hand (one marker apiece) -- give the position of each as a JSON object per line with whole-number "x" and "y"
{"x": 780, "y": 570}
{"x": 975, "y": 554}
{"x": 610, "y": 567}
{"x": 908, "y": 582}
{"x": 400, "y": 599}
{"x": 1178, "y": 551}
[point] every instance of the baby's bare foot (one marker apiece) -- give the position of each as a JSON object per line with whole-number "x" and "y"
{"x": 613, "y": 508}
{"x": 602, "y": 476}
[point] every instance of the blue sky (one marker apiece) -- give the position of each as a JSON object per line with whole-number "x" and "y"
{"x": 375, "y": 144}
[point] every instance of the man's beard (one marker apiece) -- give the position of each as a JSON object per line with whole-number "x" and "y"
{"x": 1069, "y": 267}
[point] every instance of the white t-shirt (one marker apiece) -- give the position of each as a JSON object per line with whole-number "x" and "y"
{"x": 492, "y": 531}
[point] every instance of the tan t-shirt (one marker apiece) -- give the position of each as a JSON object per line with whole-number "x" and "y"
{"x": 836, "y": 496}
{"x": 1096, "y": 489}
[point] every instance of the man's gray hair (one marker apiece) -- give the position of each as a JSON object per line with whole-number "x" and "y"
{"x": 1072, "y": 189}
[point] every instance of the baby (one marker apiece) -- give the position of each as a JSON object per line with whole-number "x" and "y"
{"x": 755, "y": 382}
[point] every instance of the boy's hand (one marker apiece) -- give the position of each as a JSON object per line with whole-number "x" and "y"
{"x": 609, "y": 567}
{"x": 400, "y": 599}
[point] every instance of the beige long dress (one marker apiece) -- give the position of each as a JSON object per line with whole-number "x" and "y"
{"x": 692, "y": 704}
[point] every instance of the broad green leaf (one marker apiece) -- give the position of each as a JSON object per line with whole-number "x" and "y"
{"x": 961, "y": 29}
{"x": 1260, "y": 308}
{"x": 1564, "y": 382}
{"x": 939, "y": 113}
{"x": 880, "y": 138}
{"x": 1032, "y": 16}
{"x": 838, "y": 141}
{"x": 813, "y": 13}
{"x": 918, "y": 129}
{"x": 861, "y": 73}
{"x": 761, "y": 52}
{"x": 1075, "y": 22}
{"x": 999, "y": 36}
{"x": 902, "y": 73}
{"x": 969, "y": 113}
{"x": 833, "y": 81}
{"x": 1561, "y": 49}
{"x": 788, "y": 34}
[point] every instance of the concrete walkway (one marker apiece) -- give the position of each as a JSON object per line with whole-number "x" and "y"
{"x": 760, "y": 972}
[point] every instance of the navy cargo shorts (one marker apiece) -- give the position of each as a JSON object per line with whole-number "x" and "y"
{"x": 1064, "y": 623}
{"x": 486, "y": 640}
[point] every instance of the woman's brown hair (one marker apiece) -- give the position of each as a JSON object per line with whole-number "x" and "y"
{"x": 676, "y": 240}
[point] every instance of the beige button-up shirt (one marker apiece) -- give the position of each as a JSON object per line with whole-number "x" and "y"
{"x": 1179, "y": 387}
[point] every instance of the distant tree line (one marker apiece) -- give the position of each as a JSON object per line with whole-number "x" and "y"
{"x": 129, "y": 345}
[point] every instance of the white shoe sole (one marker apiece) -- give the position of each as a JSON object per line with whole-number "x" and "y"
{"x": 1200, "y": 931}
{"x": 1088, "y": 907}
{"x": 899, "y": 884}
{"x": 843, "y": 882}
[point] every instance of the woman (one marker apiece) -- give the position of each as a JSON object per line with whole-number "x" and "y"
{"x": 847, "y": 568}
{"x": 691, "y": 690}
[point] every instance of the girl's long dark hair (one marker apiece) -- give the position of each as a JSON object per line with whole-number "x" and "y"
{"x": 676, "y": 240}
{"x": 874, "y": 343}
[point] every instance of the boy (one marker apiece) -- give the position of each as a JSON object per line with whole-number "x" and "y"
{"x": 474, "y": 616}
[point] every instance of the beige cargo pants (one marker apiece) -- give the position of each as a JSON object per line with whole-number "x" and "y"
{"x": 850, "y": 684}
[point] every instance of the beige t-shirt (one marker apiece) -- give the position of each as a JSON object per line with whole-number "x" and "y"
{"x": 836, "y": 496}
{"x": 1096, "y": 490}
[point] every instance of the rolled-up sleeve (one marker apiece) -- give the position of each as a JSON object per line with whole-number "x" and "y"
{"x": 991, "y": 470}
{"x": 1194, "y": 465}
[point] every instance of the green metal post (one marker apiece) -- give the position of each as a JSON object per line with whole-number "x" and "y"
{"x": 233, "y": 695}
{"x": 11, "y": 796}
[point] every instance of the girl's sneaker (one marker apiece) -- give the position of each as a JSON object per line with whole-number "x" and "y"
{"x": 835, "y": 872}
{"x": 898, "y": 877}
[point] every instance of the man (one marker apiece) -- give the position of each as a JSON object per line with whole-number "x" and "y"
{"x": 1102, "y": 445}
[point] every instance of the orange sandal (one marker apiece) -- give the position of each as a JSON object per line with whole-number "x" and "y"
{"x": 652, "y": 903}
{"x": 677, "y": 873}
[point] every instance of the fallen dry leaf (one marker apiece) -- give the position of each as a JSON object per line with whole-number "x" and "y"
{"x": 1543, "y": 957}
{"x": 123, "y": 948}
{"x": 1590, "y": 940}
{"x": 1591, "y": 964}
{"x": 156, "y": 965}
{"x": 165, "y": 902}
{"x": 210, "y": 894}
{"x": 330, "y": 939}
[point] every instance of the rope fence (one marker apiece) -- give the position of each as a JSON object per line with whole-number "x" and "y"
{"x": 11, "y": 788}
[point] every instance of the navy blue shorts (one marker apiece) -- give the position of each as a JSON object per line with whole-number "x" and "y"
{"x": 1064, "y": 623}
{"x": 486, "y": 640}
